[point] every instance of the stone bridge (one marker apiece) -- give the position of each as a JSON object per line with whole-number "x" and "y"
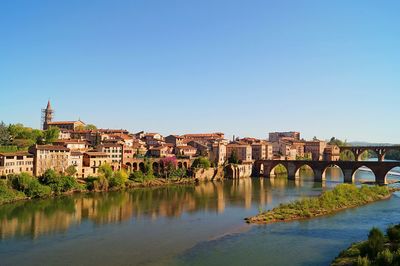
{"x": 380, "y": 169}
{"x": 380, "y": 151}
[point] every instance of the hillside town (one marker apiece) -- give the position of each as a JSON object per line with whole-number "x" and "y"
{"x": 87, "y": 149}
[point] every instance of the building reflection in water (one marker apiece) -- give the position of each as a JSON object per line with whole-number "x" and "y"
{"x": 41, "y": 217}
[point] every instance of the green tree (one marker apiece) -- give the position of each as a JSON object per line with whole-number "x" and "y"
{"x": 148, "y": 168}
{"x": 393, "y": 232}
{"x": 338, "y": 142}
{"x": 233, "y": 158}
{"x": 118, "y": 179}
{"x": 71, "y": 170}
{"x": 376, "y": 241}
{"x": 4, "y": 134}
{"x": 51, "y": 135}
{"x": 201, "y": 162}
{"x": 106, "y": 171}
{"x": 90, "y": 127}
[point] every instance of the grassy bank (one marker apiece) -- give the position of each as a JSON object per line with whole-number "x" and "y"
{"x": 341, "y": 197}
{"x": 379, "y": 250}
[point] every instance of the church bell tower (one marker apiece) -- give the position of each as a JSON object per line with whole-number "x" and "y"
{"x": 47, "y": 115}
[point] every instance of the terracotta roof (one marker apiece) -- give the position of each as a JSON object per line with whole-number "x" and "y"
{"x": 217, "y": 134}
{"x": 238, "y": 143}
{"x": 16, "y": 153}
{"x": 186, "y": 147}
{"x": 105, "y": 145}
{"x": 158, "y": 148}
{"x": 51, "y": 147}
{"x": 68, "y": 141}
{"x": 76, "y": 153}
{"x": 63, "y": 122}
{"x": 96, "y": 153}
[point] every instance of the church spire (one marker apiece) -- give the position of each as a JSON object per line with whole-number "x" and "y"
{"x": 48, "y": 105}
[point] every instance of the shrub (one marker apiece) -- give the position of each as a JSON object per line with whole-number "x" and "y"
{"x": 393, "y": 232}
{"x": 97, "y": 183}
{"x": 376, "y": 241}
{"x": 71, "y": 170}
{"x": 37, "y": 190}
{"x": 118, "y": 179}
{"x": 106, "y": 170}
{"x": 201, "y": 162}
{"x": 30, "y": 186}
{"x": 384, "y": 258}
{"x": 178, "y": 173}
{"x": 137, "y": 176}
{"x": 59, "y": 183}
{"x": 363, "y": 261}
{"x": 7, "y": 194}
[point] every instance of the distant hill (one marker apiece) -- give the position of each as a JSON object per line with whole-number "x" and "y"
{"x": 364, "y": 143}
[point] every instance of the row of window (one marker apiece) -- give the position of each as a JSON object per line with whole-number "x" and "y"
{"x": 11, "y": 171}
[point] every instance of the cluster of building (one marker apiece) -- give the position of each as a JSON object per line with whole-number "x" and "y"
{"x": 88, "y": 149}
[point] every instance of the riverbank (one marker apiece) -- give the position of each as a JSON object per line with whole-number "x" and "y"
{"x": 8, "y": 194}
{"x": 378, "y": 250}
{"x": 342, "y": 197}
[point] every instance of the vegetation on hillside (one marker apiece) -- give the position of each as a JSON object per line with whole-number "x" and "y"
{"x": 341, "y": 197}
{"x": 17, "y": 137}
{"x": 379, "y": 249}
{"x": 201, "y": 162}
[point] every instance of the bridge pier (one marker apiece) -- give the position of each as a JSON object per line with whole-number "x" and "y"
{"x": 348, "y": 175}
{"x": 380, "y": 176}
{"x": 292, "y": 169}
{"x": 318, "y": 175}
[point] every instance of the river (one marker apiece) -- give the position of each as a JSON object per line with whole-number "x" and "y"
{"x": 191, "y": 225}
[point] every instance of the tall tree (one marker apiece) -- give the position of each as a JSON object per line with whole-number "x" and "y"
{"x": 4, "y": 134}
{"x": 90, "y": 127}
{"x": 51, "y": 134}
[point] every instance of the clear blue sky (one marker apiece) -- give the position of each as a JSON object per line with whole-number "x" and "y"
{"x": 325, "y": 68}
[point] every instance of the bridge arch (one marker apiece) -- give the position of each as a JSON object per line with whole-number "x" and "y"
{"x": 391, "y": 155}
{"x": 129, "y": 166}
{"x": 305, "y": 167}
{"x": 261, "y": 170}
{"x": 367, "y": 155}
{"x": 335, "y": 171}
{"x": 141, "y": 166}
{"x": 134, "y": 166}
{"x": 278, "y": 169}
{"x": 358, "y": 171}
{"x": 393, "y": 174}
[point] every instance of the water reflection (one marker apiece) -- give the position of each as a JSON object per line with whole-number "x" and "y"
{"x": 42, "y": 217}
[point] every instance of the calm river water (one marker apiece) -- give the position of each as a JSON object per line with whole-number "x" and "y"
{"x": 193, "y": 225}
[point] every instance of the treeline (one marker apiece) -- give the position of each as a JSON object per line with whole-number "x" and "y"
{"x": 24, "y": 185}
{"x": 15, "y": 137}
{"x": 379, "y": 249}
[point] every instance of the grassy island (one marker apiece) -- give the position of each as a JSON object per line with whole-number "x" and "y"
{"x": 379, "y": 250}
{"x": 341, "y": 197}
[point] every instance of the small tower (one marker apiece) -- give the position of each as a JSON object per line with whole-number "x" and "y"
{"x": 47, "y": 115}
